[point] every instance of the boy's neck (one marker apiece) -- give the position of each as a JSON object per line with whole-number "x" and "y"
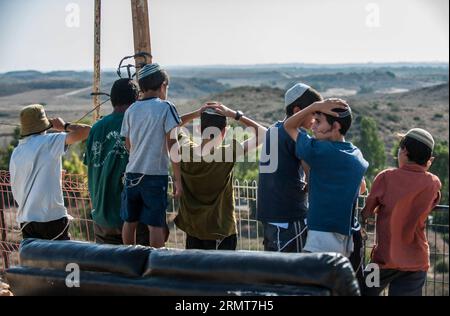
{"x": 335, "y": 138}
{"x": 151, "y": 94}
{"x": 120, "y": 108}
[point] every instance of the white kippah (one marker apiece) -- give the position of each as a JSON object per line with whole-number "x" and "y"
{"x": 148, "y": 70}
{"x": 294, "y": 93}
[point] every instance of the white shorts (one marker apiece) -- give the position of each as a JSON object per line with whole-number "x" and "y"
{"x": 317, "y": 241}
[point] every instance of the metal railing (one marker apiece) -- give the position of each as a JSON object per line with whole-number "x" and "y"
{"x": 250, "y": 233}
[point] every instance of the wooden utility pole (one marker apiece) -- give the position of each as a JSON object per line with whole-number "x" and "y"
{"x": 96, "y": 85}
{"x": 141, "y": 31}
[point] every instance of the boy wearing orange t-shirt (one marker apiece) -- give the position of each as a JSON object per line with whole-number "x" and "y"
{"x": 403, "y": 198}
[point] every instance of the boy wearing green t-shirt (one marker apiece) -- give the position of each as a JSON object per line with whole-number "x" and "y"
{"x": 207, "y": 207}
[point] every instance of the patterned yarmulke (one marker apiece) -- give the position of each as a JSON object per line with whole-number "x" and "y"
{"x": 148, "y": 70}
{"x": 294, "y": 93}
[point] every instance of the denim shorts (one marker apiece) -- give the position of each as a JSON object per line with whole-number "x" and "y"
{"x": 144, "y": 199}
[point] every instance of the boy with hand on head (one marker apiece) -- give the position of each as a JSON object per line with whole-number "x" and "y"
{"x": 403, "y": 198}
{"x": 146, "y": 126}
{"x": 35, "y": 170}
{"x": 337, "y": 169}
{"x": 282, "y": 195}
{"x": 207, "y": 206}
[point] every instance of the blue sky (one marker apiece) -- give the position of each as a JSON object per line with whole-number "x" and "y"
{"x": 35, "y": 35}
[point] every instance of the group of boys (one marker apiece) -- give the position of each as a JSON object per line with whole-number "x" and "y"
{"x": 308, "y": 186}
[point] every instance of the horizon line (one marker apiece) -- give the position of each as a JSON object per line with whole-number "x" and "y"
{"x": 331, "y": 65}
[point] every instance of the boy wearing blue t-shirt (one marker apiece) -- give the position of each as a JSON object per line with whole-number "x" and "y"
{"x": 337, "y": 170}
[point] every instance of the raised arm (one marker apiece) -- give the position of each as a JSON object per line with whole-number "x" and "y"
{"x": 257, "y": 129}
{"x": 189, "y": 117}
{"x": 75, "y": 132}
{"x": 292, "y": 124}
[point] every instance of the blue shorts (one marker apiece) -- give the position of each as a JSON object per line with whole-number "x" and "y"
{"x": 144, "y": 199}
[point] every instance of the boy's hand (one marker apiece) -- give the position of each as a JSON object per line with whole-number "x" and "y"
{"x": 225, "y": 111}
{"x": 177, "y": 189}
{"x": 326, "y": 106}
{"x": 209, "y": 105}
{"x": 57, "y": 124}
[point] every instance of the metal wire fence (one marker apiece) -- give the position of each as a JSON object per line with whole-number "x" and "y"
{"x": 250, "y": 232}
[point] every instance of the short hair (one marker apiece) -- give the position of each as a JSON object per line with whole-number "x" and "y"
{"x": 418, "y": 152}
{"x": 153, "y": 81}
{"x": 212, "y": 120}
{"x": 306, "y": 99}
{"x": 345, "y": 122}
{"x": 123, "y": 92}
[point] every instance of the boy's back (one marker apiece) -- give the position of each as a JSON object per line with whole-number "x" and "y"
{"x": 337, "y": 169}
{"x": 405, "y": 197}
{"x": 146, "y": 124}
{"x": 207, "y": 205}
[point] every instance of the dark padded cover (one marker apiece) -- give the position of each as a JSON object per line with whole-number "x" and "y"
{"x": 32, "y": 281}
{"x": 329, "y": 270}
{"x": 126, "y": 260}
{"x": 135, "y": 270}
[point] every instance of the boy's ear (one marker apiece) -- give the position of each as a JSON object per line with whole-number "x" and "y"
{"x": 430, "y": 162}
{"x": 336, "y": 126}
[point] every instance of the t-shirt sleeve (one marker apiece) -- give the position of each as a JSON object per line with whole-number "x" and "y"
{"x": 125, "y": 130}
{"x": 377, "y": 191}
{"x": 172, "y": 119}
{"x": 57, "y": 144}
{"x": 304, "y": 147}
{"x": 86, "y": 155}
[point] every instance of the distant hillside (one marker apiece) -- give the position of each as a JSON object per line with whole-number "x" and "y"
{"x": 262, "y": 103}
{"x": 22, "y": 81}
{"x": 424, "y": 107}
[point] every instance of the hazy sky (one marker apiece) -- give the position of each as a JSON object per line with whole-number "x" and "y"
{"x": 34, "y": 34}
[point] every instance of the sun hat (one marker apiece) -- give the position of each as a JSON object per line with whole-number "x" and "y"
{"x": 33, "y": 120}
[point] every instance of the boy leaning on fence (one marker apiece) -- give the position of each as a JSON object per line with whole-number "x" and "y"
{"x": 36, "y": 171}
{"x": 146, "y": 126}
{"x": 337, "y": 169}
{"x": 403, "y": 198}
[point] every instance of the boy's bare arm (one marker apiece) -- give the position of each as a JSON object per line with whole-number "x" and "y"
{"x": 369, "y": 208}
{"x": 189, "y": 117}
{"x": 257, "y": 129}
{"x": 127, "y": 144}
{"x": 174, "y": 149}
{"x": 75, "y": 132}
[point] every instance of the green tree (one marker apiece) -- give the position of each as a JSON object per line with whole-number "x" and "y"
{"x": 371, "y": 146}
{"x": 5, "y": 153}
{"x": 440, "y": 167}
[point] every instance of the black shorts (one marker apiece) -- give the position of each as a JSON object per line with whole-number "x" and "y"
{"x": 228, "y": 243}
{"x": 53, "y": 230}
{"x": 291, "y": 239}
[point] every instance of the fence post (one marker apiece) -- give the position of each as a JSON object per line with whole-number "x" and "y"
{"x": 3, "y": 224}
